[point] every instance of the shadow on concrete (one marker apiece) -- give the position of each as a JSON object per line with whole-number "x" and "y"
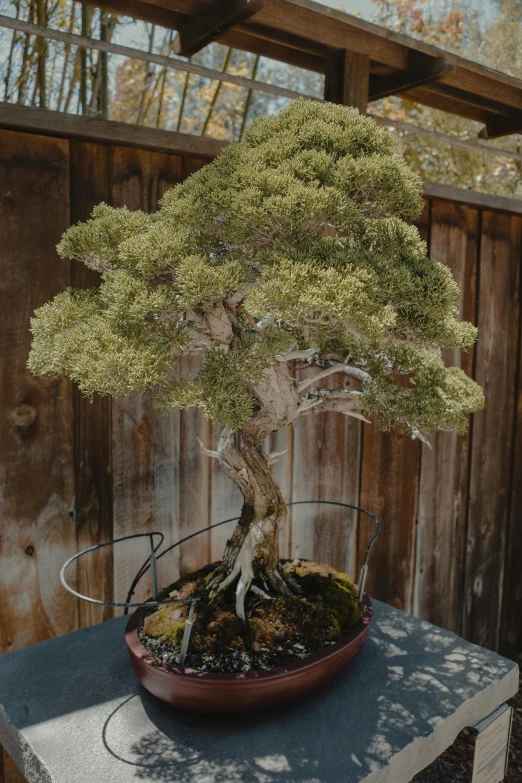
{"x": 410, "y": 677}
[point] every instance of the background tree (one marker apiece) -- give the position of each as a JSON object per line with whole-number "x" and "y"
{"x": 60, "y": 77}
{"x": 495, "y": 42}
{"x": 291, "y": 246}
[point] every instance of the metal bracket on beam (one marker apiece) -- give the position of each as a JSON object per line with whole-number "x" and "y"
{"x": 421, "y": 69}
{"x": 200, "y": 30}
{"x": 502, "y": 126}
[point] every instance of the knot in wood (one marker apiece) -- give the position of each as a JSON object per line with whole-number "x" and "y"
{"x": 8, "y": 200}
{"x": 23, "y": 415}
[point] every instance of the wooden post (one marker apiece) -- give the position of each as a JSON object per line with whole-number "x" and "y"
{"x": 347, "y": 79}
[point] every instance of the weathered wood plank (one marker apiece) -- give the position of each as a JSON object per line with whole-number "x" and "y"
{"x": 326, "y": 466}
{"x": 194, "y": 480}
{"x": 492, "y": 433}
{"x": 59, "y": 124}
{"x": 510, "y": 641}
{"x": 389, "y": 485}
{"x": 283, "y": 441}
{"x": 441, "y": 528}
{"x": 226, "y": 502}
{"x": 90, "y": 184}
{"x": 37, "y": 528}
{"x": 389, "y": 489}
{"x": 145, "y": 440}
{"x": 473, "y": 198}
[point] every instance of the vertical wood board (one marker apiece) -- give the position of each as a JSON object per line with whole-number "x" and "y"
{"x": 326, "y": 466}
{"x": 492, "y": 434}
{"x": 441, "y": 527}
{"x": 146, "y": 475}
{"x": 90, "y": 184}
{"x": 37, "y": 529}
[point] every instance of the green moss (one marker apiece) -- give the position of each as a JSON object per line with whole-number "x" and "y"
{"x": 166, "y": 624}
{"x": 336, "y": 590}
{"x": 327, "y": 609}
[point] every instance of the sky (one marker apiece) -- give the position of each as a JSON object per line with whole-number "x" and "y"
{"x": 363, "y": 7}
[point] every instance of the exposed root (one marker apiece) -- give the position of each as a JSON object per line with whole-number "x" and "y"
{"x": 243, "y": 571}
{"x": 258, "y": 591}
{"x": 278, "y": 583}
{"x": 293, "y": 585}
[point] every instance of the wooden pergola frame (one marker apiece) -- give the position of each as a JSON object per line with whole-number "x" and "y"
{"x": 362, "y": 61}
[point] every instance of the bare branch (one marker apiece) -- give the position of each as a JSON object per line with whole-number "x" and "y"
{"x": 339, "y": 400}
{"x": 291, "y": 355}
{"x": 272, "y": 457}
{"x": 208, "y": 452}
{"x": 213, "y": 323}
{"x": 335, "y": 367}
{"x": 250, "y": 319}
{"x": 265, "y": 322}
{"x": 417, "y": 435}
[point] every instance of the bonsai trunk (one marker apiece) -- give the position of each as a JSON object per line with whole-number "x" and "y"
{"x": 252, "y": 553}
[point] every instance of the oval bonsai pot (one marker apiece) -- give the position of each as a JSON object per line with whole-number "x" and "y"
{"x": 244, "y": 691}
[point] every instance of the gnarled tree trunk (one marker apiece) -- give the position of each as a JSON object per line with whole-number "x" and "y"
{"x": 252, "y": 552}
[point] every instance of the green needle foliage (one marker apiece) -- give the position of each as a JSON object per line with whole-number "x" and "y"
{"x": 302, "y": 225}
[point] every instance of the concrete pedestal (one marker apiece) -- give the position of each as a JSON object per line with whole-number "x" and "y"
{"x": 71, "y": 711}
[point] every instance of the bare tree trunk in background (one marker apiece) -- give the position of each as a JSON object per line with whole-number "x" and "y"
{"x": 149, "y": 73}
{"x": 163, "y": 81}
{"x": 41, "y": 44}
{"x": 14, "y": 40}
{"x": 248, "y": 99}
{"x": 66, "y": 62}
{"x": 104, "y": 87}
{"x": 24, "y": 70}
{"x": 216, "y": 92}
{"x": 99, "y": 97}
{"x": 75, "y": 78}
{"x": 183, "y": 99}
{"x": 86, "y": 31}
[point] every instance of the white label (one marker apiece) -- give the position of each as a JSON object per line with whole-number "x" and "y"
{"x": 494, "y": 771}
{"x": 491, "y": 749}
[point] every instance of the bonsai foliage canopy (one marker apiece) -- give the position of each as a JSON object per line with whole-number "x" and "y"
{"x": 292, "y": 246}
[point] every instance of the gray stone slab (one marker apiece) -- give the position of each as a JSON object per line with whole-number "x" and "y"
{"x": 73, "y": 712}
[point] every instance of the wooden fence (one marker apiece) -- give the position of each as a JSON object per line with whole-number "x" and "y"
{"x": 74, "y": 473}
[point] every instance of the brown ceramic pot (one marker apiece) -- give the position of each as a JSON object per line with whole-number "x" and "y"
{"x": 242, "y": 692}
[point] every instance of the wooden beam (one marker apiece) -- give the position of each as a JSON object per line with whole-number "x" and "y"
{"x": 138, "y": 54}
{"x": 448, "y": 104}
{"x": 473, "y": 198}
{"x": 284, "y": 17}
{"x": 242, "y": 38}
{"x": 471, "y": 98}
{"x": 141, "y": 9}
{"x": 422, "y": 69}
{"x": 502, "y": 126}
{"x": 445, "y": 138}
{"x": 54, "y": 123}
{"x": 198, "y": 31}
{"x": 347, "y": 78}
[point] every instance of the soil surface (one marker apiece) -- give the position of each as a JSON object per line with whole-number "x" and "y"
{"x": 456, "y": 763}
{"x": 279, "y": 631}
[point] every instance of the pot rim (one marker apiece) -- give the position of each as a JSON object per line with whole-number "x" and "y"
{"x": 139, "y": 651}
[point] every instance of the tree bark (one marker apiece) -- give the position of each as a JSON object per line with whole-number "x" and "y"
{"x": 252, "y": 552}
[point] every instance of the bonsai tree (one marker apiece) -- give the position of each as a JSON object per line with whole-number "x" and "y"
{"x": 290, "y": 248}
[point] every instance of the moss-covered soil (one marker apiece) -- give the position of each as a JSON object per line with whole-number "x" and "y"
{"x": 278, "y": 631}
